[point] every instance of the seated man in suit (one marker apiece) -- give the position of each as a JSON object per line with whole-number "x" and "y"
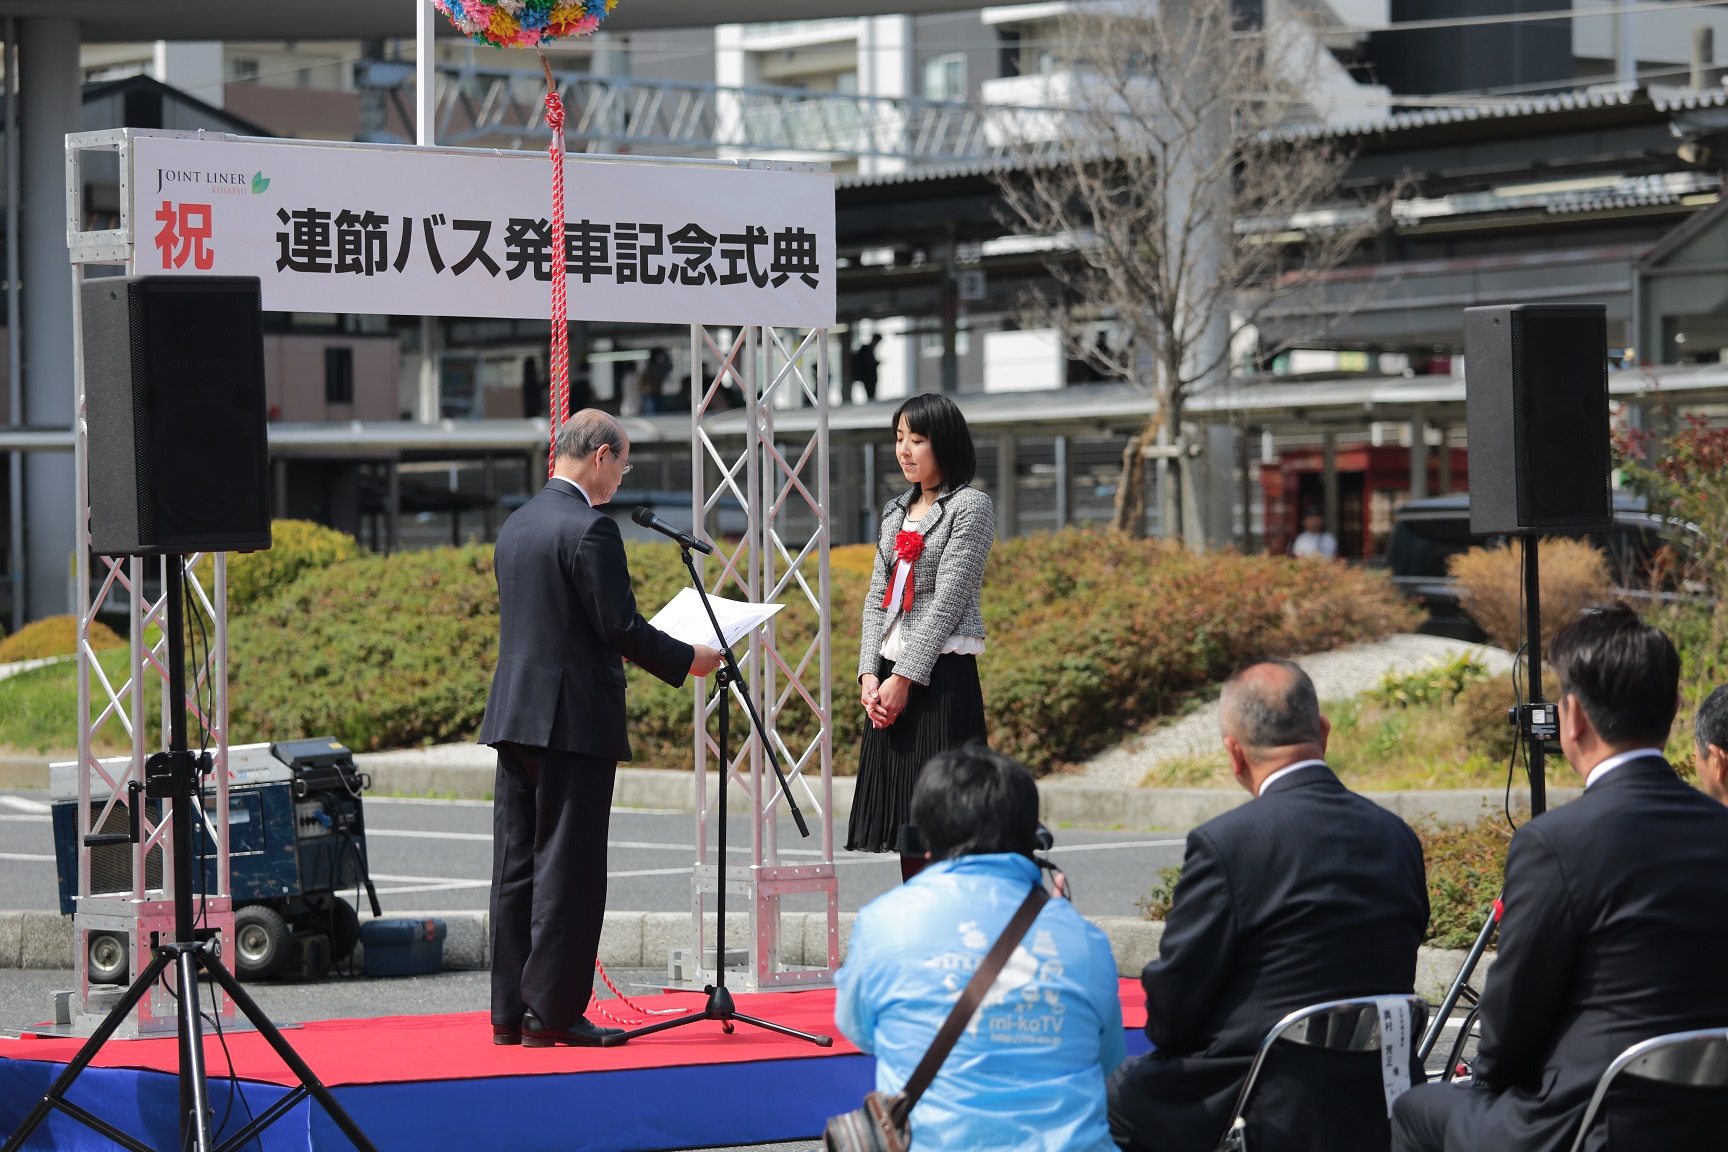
{"x": 1306, "y": 894}
{"x": 1613, "y": 921}
{"x": 1710, "y": 744}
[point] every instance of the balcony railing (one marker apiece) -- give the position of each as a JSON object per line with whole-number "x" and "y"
{"x": 502, "y": 108}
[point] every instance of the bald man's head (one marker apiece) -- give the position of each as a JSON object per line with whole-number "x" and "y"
{"x": 1268, "y": 705}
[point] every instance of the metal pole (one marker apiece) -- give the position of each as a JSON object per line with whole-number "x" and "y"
{"x": 14, "y": 338}
{"x": 1533, "y": 656}
{"x": 425, "y": 74}
{"x": 1418, "y": 456}
{"x": 425, "y": 135}
{"x": 1061, "y": 483}
{"x": 1329, "y": 483}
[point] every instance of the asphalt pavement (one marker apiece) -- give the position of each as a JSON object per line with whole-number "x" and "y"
{"x": 436, "y": 855}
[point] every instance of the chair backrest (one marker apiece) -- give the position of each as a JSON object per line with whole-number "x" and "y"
{"x": 1692, "y": 1059}
{"x": 1338, "y": 1025}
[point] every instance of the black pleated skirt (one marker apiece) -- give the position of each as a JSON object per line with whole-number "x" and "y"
{"x": 947, "y": 713}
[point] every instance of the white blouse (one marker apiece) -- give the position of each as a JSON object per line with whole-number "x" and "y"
{"x": 891, "y": 641}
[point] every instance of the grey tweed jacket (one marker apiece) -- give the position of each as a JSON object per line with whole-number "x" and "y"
{"x": 946, "y": 581}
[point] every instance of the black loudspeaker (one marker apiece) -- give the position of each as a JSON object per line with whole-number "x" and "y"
{"x": 174, "y": 397}
{"x": 1536, "y": 394}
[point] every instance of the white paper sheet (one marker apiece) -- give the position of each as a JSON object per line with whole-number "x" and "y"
{"x": 684, "y": 618}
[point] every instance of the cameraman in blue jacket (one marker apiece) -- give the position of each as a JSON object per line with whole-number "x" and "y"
{"x": 1029, "y": 1071}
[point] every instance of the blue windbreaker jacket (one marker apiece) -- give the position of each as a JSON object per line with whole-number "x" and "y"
{"x": 1029, "y": 1071}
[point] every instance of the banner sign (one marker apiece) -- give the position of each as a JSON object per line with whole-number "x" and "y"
{"x": 409, "y": 231}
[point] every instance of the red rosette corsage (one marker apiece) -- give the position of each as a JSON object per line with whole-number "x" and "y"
{"x": 908, "y": 546}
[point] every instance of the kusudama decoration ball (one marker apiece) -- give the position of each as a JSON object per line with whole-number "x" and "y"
{"x": 524, "y": 23}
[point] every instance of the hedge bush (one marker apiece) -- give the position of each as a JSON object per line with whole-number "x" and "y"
{"x": 1089, "y": 636}
{"x": 297, "y": 546}
{"x": 378, "y": 651}
{"x": 54, "y": 636}
{"x": 1466, "y": 869}
{"x": 1574, "y": 576}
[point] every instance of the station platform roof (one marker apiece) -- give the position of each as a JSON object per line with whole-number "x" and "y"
{"x": 1082, "y": 410}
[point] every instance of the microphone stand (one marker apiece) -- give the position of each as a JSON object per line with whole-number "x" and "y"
{"x": 720, "y": 1005}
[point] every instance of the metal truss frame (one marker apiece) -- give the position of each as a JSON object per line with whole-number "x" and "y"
{"x": 110, "y": 785}
{"x": 483, "y": 106}
{"x": 781, "y": 483}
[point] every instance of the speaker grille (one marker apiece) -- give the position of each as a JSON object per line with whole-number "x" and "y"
{"x": 1560, "y": 360}
{"x": 142, "y": 442}
{"x": 198, "y": 398}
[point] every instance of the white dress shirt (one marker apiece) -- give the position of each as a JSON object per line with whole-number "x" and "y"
{"x": 1615, "y": 761}
{"x": 573, "y": 484}
{"x": 1285, "y": 771}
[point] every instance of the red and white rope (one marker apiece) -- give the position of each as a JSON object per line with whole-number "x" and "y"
{"x": 594, "y": 1002}
{"x": 558, "y": 373}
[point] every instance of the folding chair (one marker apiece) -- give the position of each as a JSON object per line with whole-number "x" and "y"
{"x": 1338, "y": 1026}
{"x": 1690, "y": 1059}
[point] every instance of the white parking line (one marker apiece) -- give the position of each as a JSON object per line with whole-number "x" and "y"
{"x": 416, "y": 834}
{"x": 26, "y": 856}
{"x": 23, "y": 804}
{"x": 616, "y": 809}
{"x": 15, "y": 818}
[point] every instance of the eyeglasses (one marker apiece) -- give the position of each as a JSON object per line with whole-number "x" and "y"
{"x": 627, "y": 466}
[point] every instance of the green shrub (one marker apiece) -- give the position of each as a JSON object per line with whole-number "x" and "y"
{"x": 1089, "y": 637}
{"x": 1155, "y": 905}
{"x": 297, "y": 546}
{"x": 1439, "y": 683}
{"x": 378, "y": 651}
{"x": 54, "y": 636}
{"x": 1466, "y": 869}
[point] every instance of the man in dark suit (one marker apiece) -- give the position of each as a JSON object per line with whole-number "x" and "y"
{"x": 566, "y": 622}
{"x": 1613, "y": 924}
{"x": 1306, "y": 894}
{"x": 1710, "y": 744}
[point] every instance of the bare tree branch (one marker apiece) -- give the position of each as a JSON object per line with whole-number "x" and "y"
{"x": 1186, "y": 213}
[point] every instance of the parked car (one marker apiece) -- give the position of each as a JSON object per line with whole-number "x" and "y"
{"x": 1426, "y": 533}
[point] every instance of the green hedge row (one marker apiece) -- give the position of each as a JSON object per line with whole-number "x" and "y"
{"x": 1089, "y": 637}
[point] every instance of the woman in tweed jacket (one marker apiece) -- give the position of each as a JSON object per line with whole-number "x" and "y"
{"x": 923, "y": 630}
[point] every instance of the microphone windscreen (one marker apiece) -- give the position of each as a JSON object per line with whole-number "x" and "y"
{"x": 643, "y": 516}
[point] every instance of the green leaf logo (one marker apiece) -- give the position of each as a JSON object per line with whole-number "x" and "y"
{"x": 259, "y": 182}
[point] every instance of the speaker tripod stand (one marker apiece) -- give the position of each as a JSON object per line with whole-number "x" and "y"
{"x": 173, "y": 775}
{"x": 1536, "y": 723}
{"x": 720, "y": 1006}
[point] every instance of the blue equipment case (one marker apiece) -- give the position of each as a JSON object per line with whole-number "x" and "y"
{"x": 296, "y": 839}
{"x": 403, "y": 947}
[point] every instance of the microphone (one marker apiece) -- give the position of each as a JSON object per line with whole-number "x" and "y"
{"x": 647, "y": 519}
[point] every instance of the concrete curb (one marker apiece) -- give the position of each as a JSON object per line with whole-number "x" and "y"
{"x": 7, "y": 671}
{"x": 43, "y": 940}
{"x": 466, "y": 772}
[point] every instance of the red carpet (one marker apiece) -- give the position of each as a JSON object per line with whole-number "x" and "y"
{"x": 400, "y": 1049}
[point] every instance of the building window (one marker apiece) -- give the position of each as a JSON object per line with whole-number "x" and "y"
{"x": 244, "y": 70}
{"x": 338, "y": 375}
{"x": 945, "y": 77}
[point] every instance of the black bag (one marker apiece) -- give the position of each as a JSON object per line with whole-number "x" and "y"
{"x": 883, "y": 1124}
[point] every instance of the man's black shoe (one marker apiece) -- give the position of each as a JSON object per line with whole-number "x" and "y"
{"x": 581, "y": 1034}
{"x": 506, "y": 1033}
